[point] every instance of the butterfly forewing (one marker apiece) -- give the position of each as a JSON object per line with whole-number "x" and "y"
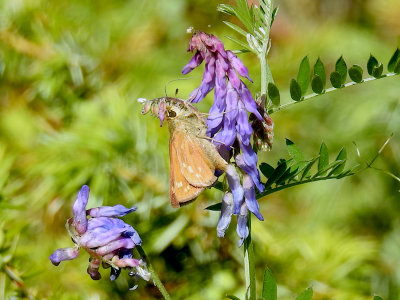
{"x": 195, "y": 166}
{"x": 181, "y": 190}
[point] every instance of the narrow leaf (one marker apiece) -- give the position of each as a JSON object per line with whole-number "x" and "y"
{"x": 317, "y": 85}
{"x": 355, "y": 73}
{"x": 278, "y": 172}
{"x": 342, "y": 156}
{"x": 377, "y": 298}
{"x": 377, "y": 70}
{"x": 295, "y": 90}
{"x": 303, "y": 77}
{"x": 269, "y": 289}
{"x": 336, "y": 80}
{"x": 394, "y": 60}
{"x": 323, "y": 161}
{"x": 319, "y": 70}
{"x": 236, "y": 28}
{"x": 294, "y": 151}
{"x": 306, "y": 294}
{"x": 232, "y": 297}
{"x": 240, "y": 43}
{"x": 273, "y": 94}
{"x": 330, "y": 166}
{"x": 372, "y": 62}
{"x": 214, "y": 207}
{"x": 341, "y": 68}
{"x": 266, "y": 169}
{"x": 308, "y": 168}
{"x": 289, "y": 174}
{"x": 227, "y": 9}
{"x": 274, "y": 12}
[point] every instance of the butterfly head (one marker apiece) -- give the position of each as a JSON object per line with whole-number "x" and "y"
{"x": 168, "y": 108}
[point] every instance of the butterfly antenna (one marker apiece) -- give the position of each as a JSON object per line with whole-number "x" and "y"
{"x": 173, "y": 80}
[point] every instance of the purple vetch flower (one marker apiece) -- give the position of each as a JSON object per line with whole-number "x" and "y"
{"x": 108, "y": 240}
{"x": 228, "y": 121}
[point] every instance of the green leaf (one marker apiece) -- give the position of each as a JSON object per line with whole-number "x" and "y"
{"x": 273, "y": 94}
{"x": 227, "y": 9}
{"x": 266, "y": 169}
{"x": 236, "y": 28}
{"x": 397, "y": 67}
{"x": 336, "y": 80}
{"x": 342, "y": 156}
{"x": 377, "y": 70}
{"x": 341, "y": 68}
{"x": 219, "y": 186}
{"x": 289, "y": 174}
{"x": 308, "y": 168}
{"x": 269, "y": 289}
{"x": 319, "y": 70}
{"x": 294, "y": 151}
{"x": 215, "y": 207}
{"x": 274, "y": 12}
{"x": 323, "y": 161}
{"x": 306, "y": 294}
{"x": 377, "y": 298}
{"x": 317, "y": 85}
{"x": 240, "y": 43}
{"x": 278, "y": 172}
{"x": 232, "y": 297}
{"x": 355, "y": 73}
{"x": 395, "y": 59}
{"x": 372, "y": 62}
{"x": 303, "y": 77}
{"x": 330, "y": 166}
{"x": 295, "y": 90}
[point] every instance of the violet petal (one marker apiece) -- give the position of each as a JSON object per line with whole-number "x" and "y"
{"x": 236, "y": 188}
{"x": 250, "y": 197}
{"x": 226, "y": 214}
{"x": 238, "y": 65}
{"x": 196, "y": 60}
{"x": 114, "y": 245}
{"x": 242, "y": 229}
{"x": 64, "y": 254}
{"x": 110, "y": 211}
{"x": 79, "y": 210}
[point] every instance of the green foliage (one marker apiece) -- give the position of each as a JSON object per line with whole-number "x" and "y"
{"x": 394, "y": 61}
{"x": 273, "y": 94}
{"x": 269, "y": 288}
{"x": 295, "y": 90}
{"x": 303, "y": 77}
{"x": 355, "y": 73}
{"x": 306, "y": 294}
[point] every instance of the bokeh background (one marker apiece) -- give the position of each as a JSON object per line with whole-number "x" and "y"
{"x": 70, "y": 74}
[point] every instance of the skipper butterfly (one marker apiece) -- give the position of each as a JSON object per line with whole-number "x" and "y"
{"x": 193, "y": 156}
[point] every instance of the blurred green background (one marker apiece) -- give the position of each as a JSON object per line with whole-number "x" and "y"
{"x": 70, "y": 74}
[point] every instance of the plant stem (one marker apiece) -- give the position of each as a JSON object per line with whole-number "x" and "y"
{"x": 153, "y": 273}
{"x": 249, "y": 265}
{"x": 310, "y": 96}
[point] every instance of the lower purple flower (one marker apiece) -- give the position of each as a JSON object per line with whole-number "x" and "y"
{"x": 108, "y": 240}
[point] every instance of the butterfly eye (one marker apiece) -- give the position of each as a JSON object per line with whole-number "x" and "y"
{"x": 171, "y": 114}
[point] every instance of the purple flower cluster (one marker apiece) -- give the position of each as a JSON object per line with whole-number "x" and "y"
{"x": 108, "y": 240}
{"x": 228, "y": 122}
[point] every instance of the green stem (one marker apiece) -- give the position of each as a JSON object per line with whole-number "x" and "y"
{"x": 153, "y": 273}
{"x": 249, "y": 265}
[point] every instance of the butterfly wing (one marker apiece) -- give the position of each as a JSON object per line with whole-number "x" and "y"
{"x": 195, "y": 162}
{"x": 181, "y": 190}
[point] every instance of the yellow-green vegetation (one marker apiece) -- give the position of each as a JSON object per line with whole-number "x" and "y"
{"x": 70, "y": 74}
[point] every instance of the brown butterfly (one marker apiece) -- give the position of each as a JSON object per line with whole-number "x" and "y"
{"x": 193, "y": 156}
